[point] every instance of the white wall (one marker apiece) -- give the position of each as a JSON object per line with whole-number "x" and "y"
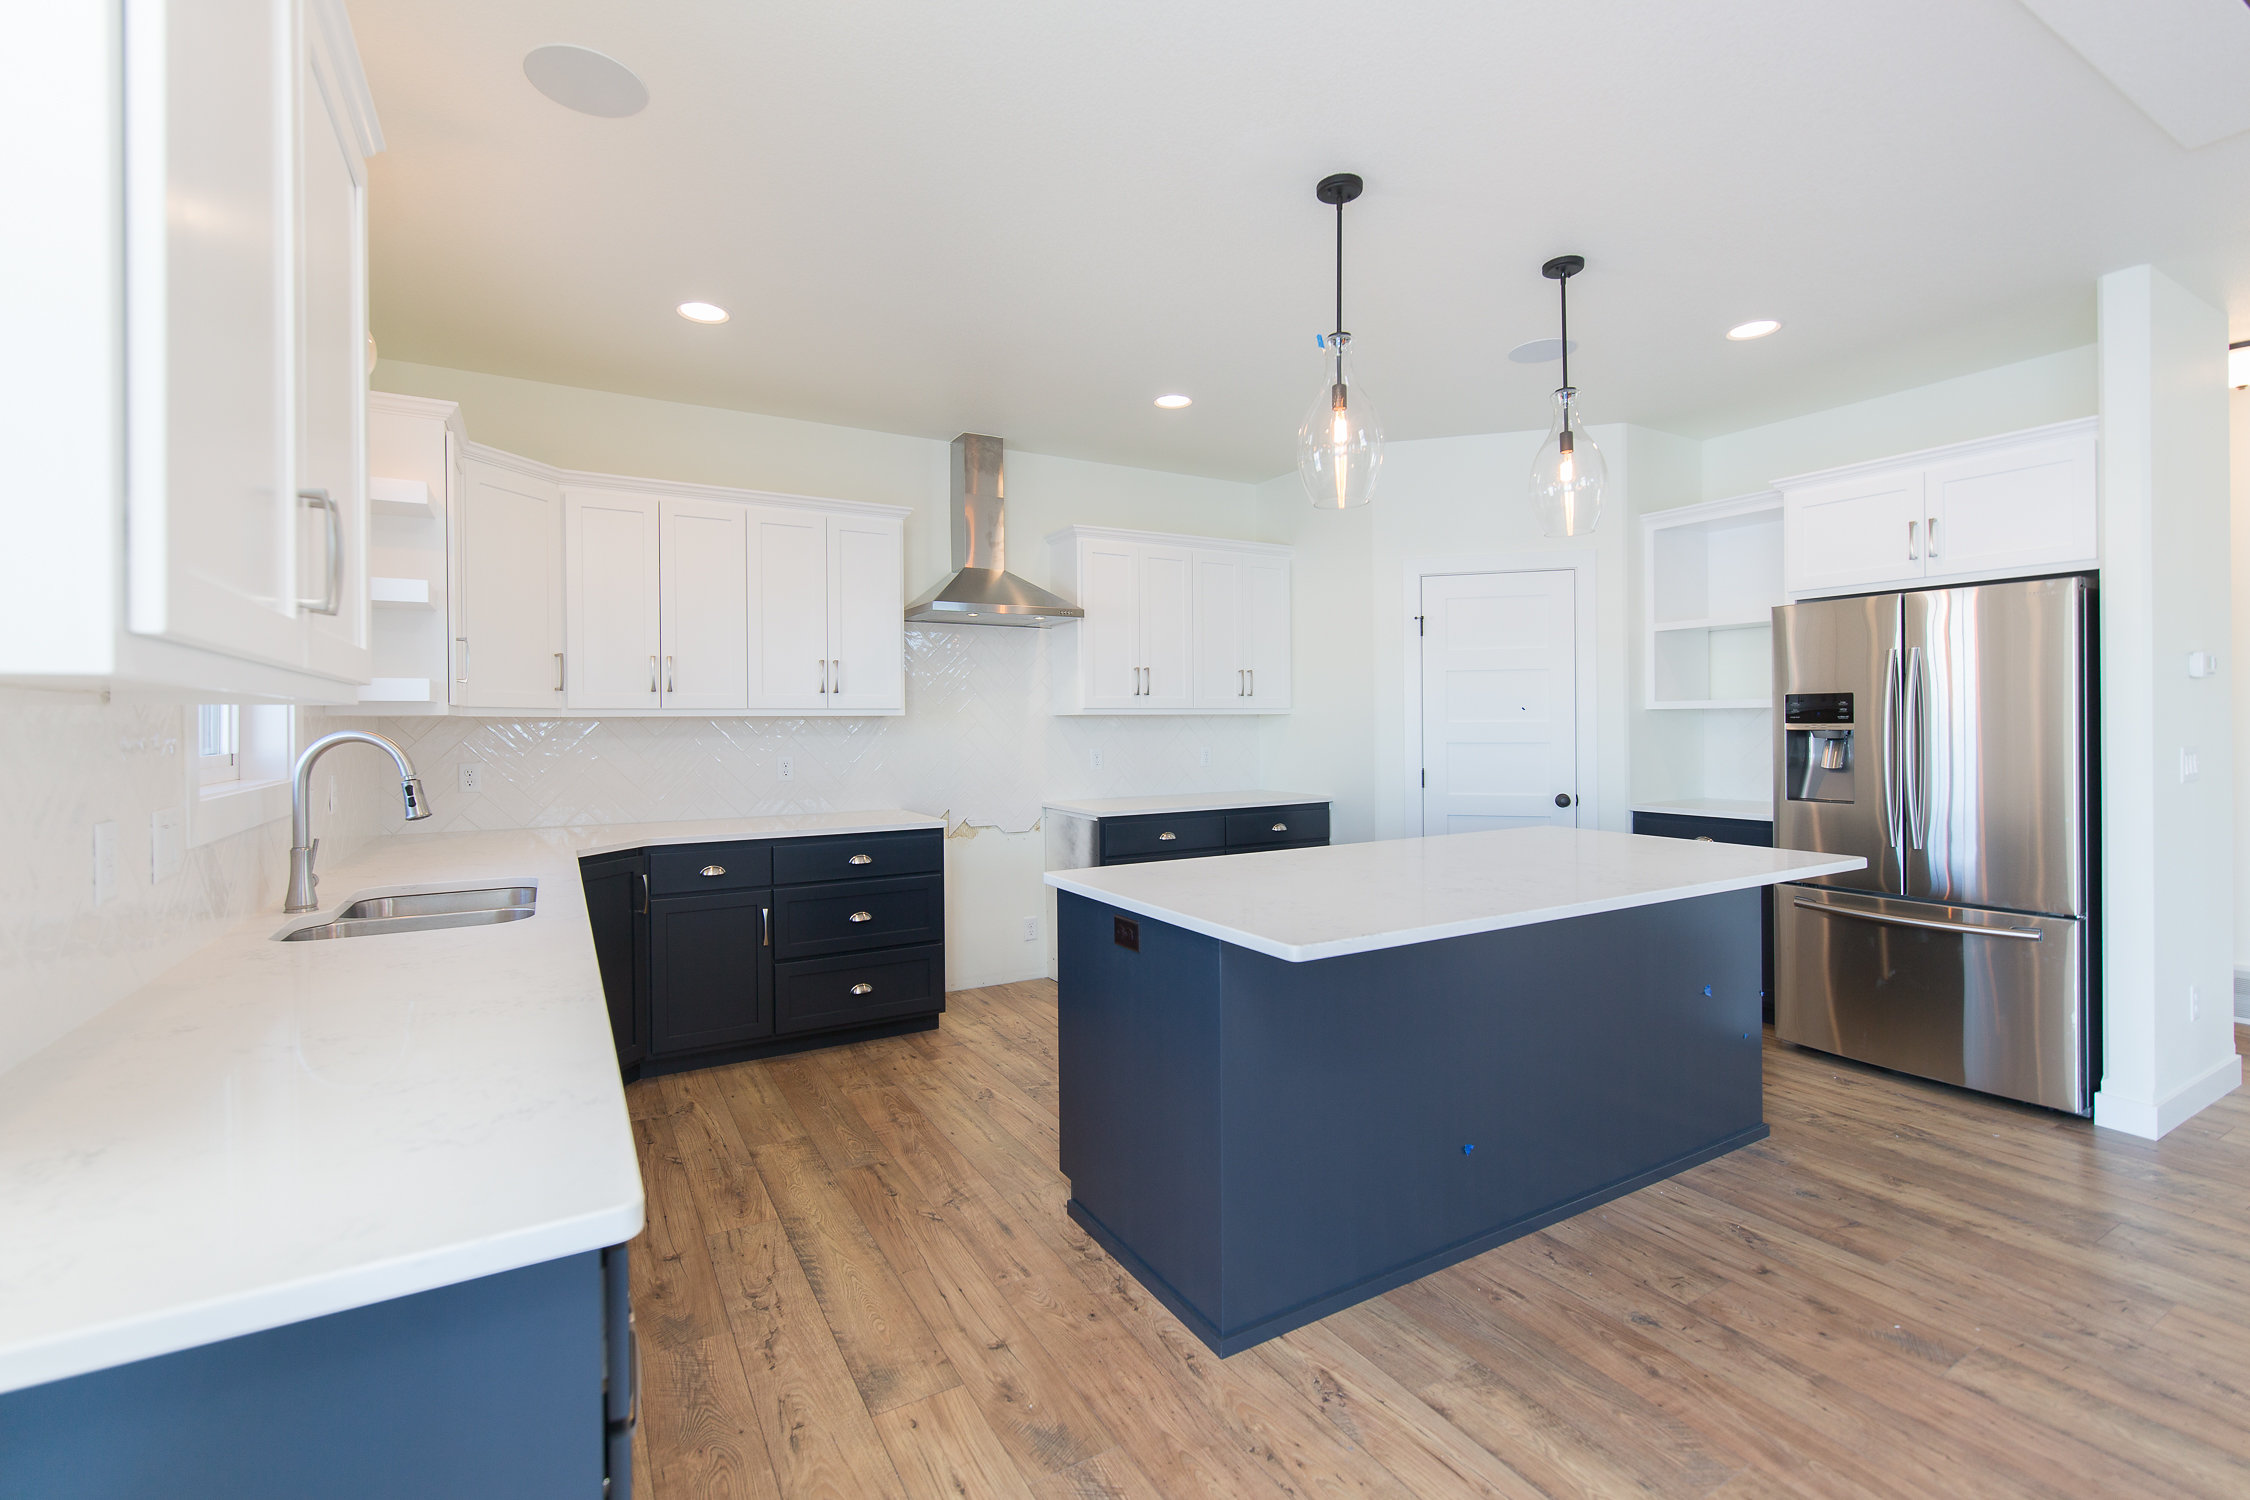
{"x": 977, "y": 743}
{"x": 2167, "y": 841}
{"x": 2238, "y": 413}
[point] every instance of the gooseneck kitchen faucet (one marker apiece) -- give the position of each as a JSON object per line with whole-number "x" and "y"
{"x": 303, "y": 847}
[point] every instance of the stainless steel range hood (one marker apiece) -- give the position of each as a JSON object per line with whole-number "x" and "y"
{"x": 981, "y": 590}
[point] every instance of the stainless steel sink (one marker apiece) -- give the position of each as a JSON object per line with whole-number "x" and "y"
{"x": 429, "y": 903}
{"x": 422, "y": 911}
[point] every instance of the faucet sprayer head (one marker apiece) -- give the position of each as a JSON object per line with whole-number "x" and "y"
{"x": 417, "y": 801}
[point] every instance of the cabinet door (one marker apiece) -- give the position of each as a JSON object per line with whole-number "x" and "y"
{"x": 1222, "y": 678}
{"x": 866, "y": 614}
{"x": 711, "y": 971}
{"x": 1853, "y": 533}
{"x": 705, "y": 559}
{"x": 617, "y": 914}
{"x": 2021, "y": 509}
{"x": 1167, "y": 610}
{"x": 507, "y": 591}
{"x": 331, "y": 369}
{"x": 1109, "y": 644}
{"x": 1266, "y": 623}
{"x": 788, "y": 608}
{"x": 610, "y": 601}
{"x": 211, "y": 504}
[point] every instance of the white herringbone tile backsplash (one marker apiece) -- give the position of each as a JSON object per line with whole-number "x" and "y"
{"x": 977, "y": 743}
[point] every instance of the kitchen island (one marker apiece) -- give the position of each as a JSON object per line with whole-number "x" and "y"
{"x": 1293, "y": 1080}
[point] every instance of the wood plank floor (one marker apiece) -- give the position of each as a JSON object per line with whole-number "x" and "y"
{"x": 857, "y": 1281}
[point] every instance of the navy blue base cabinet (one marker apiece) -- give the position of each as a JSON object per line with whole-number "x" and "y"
{"x": 1262, "y": 1143}
{"x": 509, "y": 1387}
{"x": 1725, "y": 831}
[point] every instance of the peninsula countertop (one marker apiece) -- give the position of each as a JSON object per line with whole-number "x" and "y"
{"x": 1304, "y": 904}
{"x": 269, "y": 1131}
{"x": 1180, "y": 802}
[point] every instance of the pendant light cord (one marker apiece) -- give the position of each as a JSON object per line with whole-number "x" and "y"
{"x": 1339, "y": 292}
{"x": 1562, "y": 290}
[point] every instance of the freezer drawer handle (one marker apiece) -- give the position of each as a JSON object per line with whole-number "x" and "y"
{"x": 863, "y": 988}
{"x": 861, "y": 859}
{"x": 863, "y": 916}
{"x": 1931, "y": 923}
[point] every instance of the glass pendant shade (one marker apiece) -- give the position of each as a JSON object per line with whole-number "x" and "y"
{"x": 1340, "y": 444}
{"x": 1568, "y": 474}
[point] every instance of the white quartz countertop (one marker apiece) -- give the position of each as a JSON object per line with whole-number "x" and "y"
{"x": 1711, "y": 807}
{"x": 270, "y": 1131}
{"x": 1305, "y": 904}
{"x": 1185, "y": 802}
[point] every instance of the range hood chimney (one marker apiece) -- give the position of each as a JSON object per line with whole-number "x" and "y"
{"x": 981, "y": 590}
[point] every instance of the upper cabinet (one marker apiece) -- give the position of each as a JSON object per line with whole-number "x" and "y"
{"x": 507, "y": 587}
{"x": 2018, "y": 504}
{"x": 1174, "y": 624}
{"x": 200, "y": 348}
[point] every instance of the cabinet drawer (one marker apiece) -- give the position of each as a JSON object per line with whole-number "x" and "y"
{"x": 866, "y": 856}
{"x": 1717, "y": 830}
{"x": 1123, "y": 838}
{"x": 681, "y": 869}
{"x": 820, "y": 993}
{"x": 1271, "y": 827}
{"x": 811, "y": 921}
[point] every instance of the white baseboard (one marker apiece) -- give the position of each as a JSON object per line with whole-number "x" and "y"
{"x": 2242, "y": 995}
{"x": 1032, "y": 969}
{"x": 2152, "y": 1122}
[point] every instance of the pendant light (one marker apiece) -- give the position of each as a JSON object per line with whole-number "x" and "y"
{"x": 1340, "y": 445}
{"x": 1567, "y": 476}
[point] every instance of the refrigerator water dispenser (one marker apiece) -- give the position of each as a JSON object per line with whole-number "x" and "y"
{"x": 1820, "y": 765}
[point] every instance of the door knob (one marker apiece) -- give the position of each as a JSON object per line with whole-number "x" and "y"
{"x": 1562, "y": 799}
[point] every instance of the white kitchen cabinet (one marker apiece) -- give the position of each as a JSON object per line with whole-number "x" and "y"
{"x": 705, "y": 605}
{"x": 866, "y": 613}
{"x": 789, "y": 608}
{"x": 1173, "y": 624}
{"x": 183, "y": 318}
{"x": 612, "y": 633}
{"x": 507, "y": 587}
{"x": 2017, "y": 504}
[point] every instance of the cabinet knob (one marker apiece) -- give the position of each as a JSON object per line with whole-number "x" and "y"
{"x": 1167, "y": 836}
{"x": 712, "y": 870}
{"x": 863, "y": 988}
{"x": 1281, "y": 828}
{"x": 863, "y": 916}
{"x": 861, "y": 859}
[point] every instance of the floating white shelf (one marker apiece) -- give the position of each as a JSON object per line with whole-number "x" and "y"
{"x": 1762, "y": 703}
{"x": 396, "y": 690}
{"x": 1739, "y": 621}
{"x": 400, "y": 593}
{"x": 400, "y": 497}
{"x": 1712, "y": 577}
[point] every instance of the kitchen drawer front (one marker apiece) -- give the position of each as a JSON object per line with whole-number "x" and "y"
{"x": 1126, "y": 838}
{"x": 813, "y": 921}
{"x": 822, "y": 993}
{"x": 1717, "y": 830}
{"x": 1273, "y": 827}
{"x": 866, "y": 856}
{"x": 678, "y": 869}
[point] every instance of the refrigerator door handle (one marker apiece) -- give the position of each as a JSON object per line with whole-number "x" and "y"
{"x": 1916, "y": 767}
{"x": 1933, "y": 924}
{"x": 1890, "y": 753}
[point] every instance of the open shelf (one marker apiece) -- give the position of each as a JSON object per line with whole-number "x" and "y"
{"x": 1758, "y": 703}
{"x": 1712, "y": 576}
{"x": 400, "y": 497}
{"x": 1720, "y": 622}
{"x": 399, "y": 593}
{"x": 396, "y": 690}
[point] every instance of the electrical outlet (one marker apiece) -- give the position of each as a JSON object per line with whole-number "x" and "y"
{"x": 105, "y": 862}
{"x": 1205, "y": 756}
{"x": 472, "y": 776}
{"x": 166, "y": 845}
{"x": 788, "y": 768}
{"x": 1094, "y": 758}
{"x": 2195, "y": 1003}
{"x": 1031, "y": 929}
{"x": 2191, "y": 765}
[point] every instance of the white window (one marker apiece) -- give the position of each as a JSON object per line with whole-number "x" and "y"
{"x": 238, "y": 773}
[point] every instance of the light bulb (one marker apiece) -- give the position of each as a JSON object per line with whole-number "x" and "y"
{"x": 1340, "y": 444}
{"x": 1567, "y": 476}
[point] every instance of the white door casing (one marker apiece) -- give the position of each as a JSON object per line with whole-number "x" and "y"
{"x": 1499, "y": 686}
{"x": 704, "y": 558}
{"x": 788, "y": 607}
{"x": 613, "y": 636}
{"x": 507, "y": 590}
{"x": 866, "y": 601}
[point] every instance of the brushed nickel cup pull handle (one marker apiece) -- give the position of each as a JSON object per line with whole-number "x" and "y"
{"x": 861, "y": 859}
{"x": 863, "y": 916}
{"x": 863, "y": 988}
{"x": 1281, "y": 828}
{"x": 1167, "y": 837}
{"x": 1705, "y": 838}
{"x": 712, "y": 870}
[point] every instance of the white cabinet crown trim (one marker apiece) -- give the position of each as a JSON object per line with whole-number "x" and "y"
{"x": 1921, "y": 457}
{"x": 677, "y": 488}
{"x": 1168, "y": 539}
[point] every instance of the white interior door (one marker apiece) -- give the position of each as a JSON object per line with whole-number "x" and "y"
{"x": 1109, "y": 641}
{"x": 1222, "y": 678}
{"x": 614, "y": 639}
{"x": 1167, "y": 609}
{"x": 788, "y": 608}
{"x": 866, "y": 615}
{"x": 1499, "y": 701}
{"x": 1265, "y": 616}
{"x": 704, "y": 557}
{"x": 507, "y": 593}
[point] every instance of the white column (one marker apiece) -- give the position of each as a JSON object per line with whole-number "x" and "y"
{"x": 2167, "y": 839}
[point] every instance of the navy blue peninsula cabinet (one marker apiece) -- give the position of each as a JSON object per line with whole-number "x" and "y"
{"x": 720, "y": 951}
{"x": 1713, "y": 821}
{"x": 1293, "y": 1080}
{"x": 1138, "y": 830}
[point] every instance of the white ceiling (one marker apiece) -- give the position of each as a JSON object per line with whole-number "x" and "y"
{"x": 1032, "y": 218}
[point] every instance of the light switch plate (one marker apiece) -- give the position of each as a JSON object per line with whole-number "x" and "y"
{"x": 105, "y": 862}
{"x": 2191, "y": 765}
{"x": 167, "y": 844}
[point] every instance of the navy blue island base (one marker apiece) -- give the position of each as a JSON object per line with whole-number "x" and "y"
{"x": 1262, "y": 1143}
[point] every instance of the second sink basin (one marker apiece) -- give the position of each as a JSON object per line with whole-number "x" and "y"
{"x": 430, "y": 903}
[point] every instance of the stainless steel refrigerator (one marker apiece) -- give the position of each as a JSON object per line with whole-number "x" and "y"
{"x": 1945, "y": 735}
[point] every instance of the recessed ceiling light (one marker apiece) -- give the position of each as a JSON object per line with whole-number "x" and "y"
{"x": 1175, "y": 401}
{"x": 703, "y": 312}
{"x": 593, "y": 83}
{"x": 1756, "y": 328}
